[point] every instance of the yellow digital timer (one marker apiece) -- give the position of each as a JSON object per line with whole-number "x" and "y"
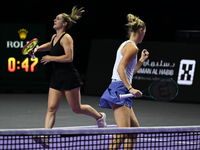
{"x": 28, "y": 64}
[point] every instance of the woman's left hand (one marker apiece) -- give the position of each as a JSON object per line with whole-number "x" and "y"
{"x": 46, "y": 59}
{"x": 144, "y": 54}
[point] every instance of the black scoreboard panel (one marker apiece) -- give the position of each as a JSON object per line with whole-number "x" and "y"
{"x": 17, "y": 71}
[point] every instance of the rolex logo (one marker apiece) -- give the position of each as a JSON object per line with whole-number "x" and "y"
{"x": 22, "y": 34}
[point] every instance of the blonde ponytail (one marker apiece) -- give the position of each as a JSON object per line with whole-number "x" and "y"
{"x": 134, "y": 23}
{"x": 75, "y": 15}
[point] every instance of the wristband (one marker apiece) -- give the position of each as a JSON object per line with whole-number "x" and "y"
{"x": 130, "y": 88}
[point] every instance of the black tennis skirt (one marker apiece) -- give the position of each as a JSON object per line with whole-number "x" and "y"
{"x": 64, "y": 79}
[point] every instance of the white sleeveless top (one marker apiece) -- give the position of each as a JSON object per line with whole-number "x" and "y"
{"x": 129, "y": 69}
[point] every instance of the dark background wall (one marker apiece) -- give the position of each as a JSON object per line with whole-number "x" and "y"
{"x": 106, "y": 20}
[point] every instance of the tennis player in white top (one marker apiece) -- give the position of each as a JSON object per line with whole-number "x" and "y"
{"x": 126, "y": 65}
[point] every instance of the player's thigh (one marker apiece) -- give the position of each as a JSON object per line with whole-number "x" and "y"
{"x": 133, "y": 119}
{"x": 74, "y": 97}
{"x": 122, "y": 115}
{"x": 54, "y": 98}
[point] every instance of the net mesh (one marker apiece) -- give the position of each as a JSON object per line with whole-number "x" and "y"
{"x": 163, "y": 89}
{"x": 150, "y": 138}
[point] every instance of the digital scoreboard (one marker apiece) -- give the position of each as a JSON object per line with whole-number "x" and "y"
{"x": 17, "y": 71}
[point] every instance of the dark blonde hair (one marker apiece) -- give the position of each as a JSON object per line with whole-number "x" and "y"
{"x": 134, "y": 23}
{"x": 75, "y": 15}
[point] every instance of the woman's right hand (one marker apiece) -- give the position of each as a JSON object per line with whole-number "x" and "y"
{"x": 35, "y": 50}
{"x": 135, "y": 92}
{"x": 31, "y": 53}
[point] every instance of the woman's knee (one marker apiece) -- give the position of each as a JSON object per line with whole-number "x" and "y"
{"x": 52, "y": 109}
{"x": 54, "y": 100}
{"x": 76, "y": 109}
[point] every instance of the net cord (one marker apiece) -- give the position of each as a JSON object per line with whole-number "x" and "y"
{"x": 95, "y": 130}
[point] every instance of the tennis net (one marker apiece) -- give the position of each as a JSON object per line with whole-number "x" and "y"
{"x": 93, "y": 138}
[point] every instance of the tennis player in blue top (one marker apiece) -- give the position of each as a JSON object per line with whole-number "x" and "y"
{"x": 126, "y": 65}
